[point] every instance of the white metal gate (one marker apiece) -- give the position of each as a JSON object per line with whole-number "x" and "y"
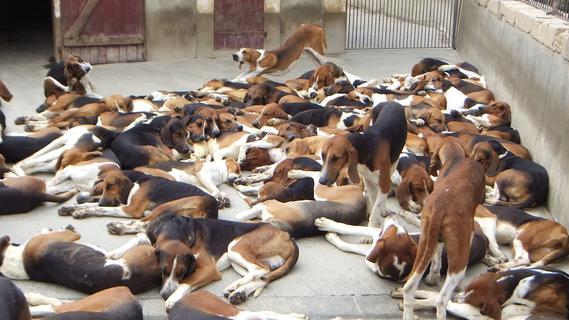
{"x": 395, "y": 24}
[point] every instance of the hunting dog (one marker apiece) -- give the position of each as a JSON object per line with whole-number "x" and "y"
{"x": 282, "y": 59}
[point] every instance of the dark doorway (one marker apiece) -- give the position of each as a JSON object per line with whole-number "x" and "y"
{"x": 26, "y": 32}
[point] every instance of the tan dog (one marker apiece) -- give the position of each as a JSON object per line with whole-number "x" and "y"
{"x": 281, "y": 59}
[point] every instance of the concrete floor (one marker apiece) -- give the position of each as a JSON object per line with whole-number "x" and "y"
{"x": 325, "y": 283}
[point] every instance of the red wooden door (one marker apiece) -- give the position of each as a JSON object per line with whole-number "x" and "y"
{"x": 238, "y": 24}
{"x": 102, "y": 31}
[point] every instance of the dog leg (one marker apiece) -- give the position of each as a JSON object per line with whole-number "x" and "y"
{"x": 249, "y": 190}
{"x": 521, "y": 257}
{"x": 335, "y": 240}
{"x": 452, "y": 280}
{"x": 268, "y": 315}
{"x": 42, "y": 311}
{"x": 140, "y": 239}
{"x": 260, "y": 177}
{"x": 252, "y": 213}
{"x": 410, "y": 217}
{"x": 488, "y": 226}
{"x": 328, "y": 225}
{"x": 436, "y": 263}
{"x": 378, "y": 210}
{"x": 100, "y": 212}
{"x": 36, "y": 299}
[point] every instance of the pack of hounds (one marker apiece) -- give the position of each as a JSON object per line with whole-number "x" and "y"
{"x": 316, "y": 155}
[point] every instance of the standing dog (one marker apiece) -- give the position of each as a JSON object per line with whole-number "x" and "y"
{"x": 447, "y": 219}
{"x": 281, "y": 60}
{"x": 373, "y": 154}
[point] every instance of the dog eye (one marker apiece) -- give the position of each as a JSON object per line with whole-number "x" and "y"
{"x": 334, "y": 158}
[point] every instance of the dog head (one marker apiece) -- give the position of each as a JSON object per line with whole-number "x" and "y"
{"x": 233, "y": 170}
{"x": 435, "y": 81}
{"x": 487, "y": 153}
{"x": 484, "y": 293}
{"x": 414, "y": 189}
{"x": 270, "y": 111}
{"x": 246, "y": 55}
{"x": 75, "y": 156}
{"x": 338, "y": 154}
{"x": 394, "y": 252}
{"x": 362, "y": 95}
{"x": 229, "y": 123}
{"x": 4, "y": 92}
{"x": 118, "y": 103}
{"x": 175, "y": 135}
{"x": 173, "y": 237}
{"x": 256, "y": 157}
{"x": 76, "y": 67}
{"x": 293, "y": 130}
{"x": 196, "y": 126}
{"x": 500, "y": 109}
{"x": 258, "y": 94}
{"x": 116, "y": 188}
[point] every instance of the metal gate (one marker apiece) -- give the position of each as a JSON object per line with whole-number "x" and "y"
{"x": 398, "y": 24}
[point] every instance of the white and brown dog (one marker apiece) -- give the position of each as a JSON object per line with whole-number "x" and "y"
{"x": 309, "y": 37}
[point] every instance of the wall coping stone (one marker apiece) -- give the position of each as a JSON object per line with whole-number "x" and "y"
{"x": 546, "y": 29}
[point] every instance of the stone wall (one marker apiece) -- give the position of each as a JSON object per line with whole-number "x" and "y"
{"x": 179, "y": 29}
{"x": 524, "y": 54}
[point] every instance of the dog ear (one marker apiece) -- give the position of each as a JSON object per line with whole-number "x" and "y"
{"x": 4, "y": 92}
{"x": 166, "y": 135}
{"x": 4, "y": 242}
{"x": 403, "y": 193}
{"x": 435, "y": 164}
{"x": 353, "y": 165}
{"x": 429, "y": 184}
{"x": 373, "y": 255}
{"x": 126, "y": 186}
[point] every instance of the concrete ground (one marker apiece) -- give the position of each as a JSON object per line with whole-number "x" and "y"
{"x": 325, "y": 283}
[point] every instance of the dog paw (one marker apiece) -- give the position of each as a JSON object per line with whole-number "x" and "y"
{"x": 400, "y": 305}
{"x": 225, "y": 202}
{"x": 115, "y": 228}
{"x": 65, "y": 211}
{"x": 365, "y": 240}
{"x": 237, "y": 297}
{"x": 20, "y": 120}
{"x": 323, "y": 224}
{"x": 69, "y": 227}
{"x": 331, "y": 236}
{"x": 397, "y": 293}
{"x": 81, "y": 214}
{"x": 432, "y": 279}
{"x": 29, "y": 128}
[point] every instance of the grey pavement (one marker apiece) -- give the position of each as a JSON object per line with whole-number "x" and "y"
{"x": 325, "y": 283}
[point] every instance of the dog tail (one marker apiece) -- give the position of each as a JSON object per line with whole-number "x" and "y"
{"x": 430, "y": 232}
{"x": 285, "y": 268}
{"x": 46, "y": 197}
{"x": 315, "y": 56}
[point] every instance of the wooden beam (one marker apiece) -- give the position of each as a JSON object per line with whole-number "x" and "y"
{"x": 83, "y": 41}
{"x": 82, "y": 20}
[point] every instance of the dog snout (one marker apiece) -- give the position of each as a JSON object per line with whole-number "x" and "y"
{"x": 367, "y": 100}
{"x": 41, "y": 108}
{"x": 235, "y": 57}
{"x": 256, "y": 124}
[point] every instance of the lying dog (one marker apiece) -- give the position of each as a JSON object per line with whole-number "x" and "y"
{"x": 517, "y": 182}
{"x": 23, "y": 194}
{"x": 536, "y": 241}
{"x": 446, "y": 219}
{"x": 45, "y": 257}
{"x": 205, "y": 305}
{"x": 112, "y": 303}
{"x": 394, "y": 249}
{"x": 13, "y": 304}
{"x": 193, "y": 252}
{"x": 282, "y": 59}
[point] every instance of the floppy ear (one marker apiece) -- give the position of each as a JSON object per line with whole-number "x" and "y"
{"x": 166, "y": 135}
{"x": 429, "y": 185}
{"x": 353, "y": 165}
{"x": 402, "y": 193}
{"x": 373, "y": 255}
{"x": 125, "y": 185}
{"x": 4, "y": 242}
{"x": 435, "y": 164}
{"x": 58, "y": 163}
{"x": 4, "y": 92}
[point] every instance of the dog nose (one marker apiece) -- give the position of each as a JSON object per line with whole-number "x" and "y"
{"x": 256, "y": 124}
{"x": 323, "y": 181}
{"x": 235, "y": 57}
